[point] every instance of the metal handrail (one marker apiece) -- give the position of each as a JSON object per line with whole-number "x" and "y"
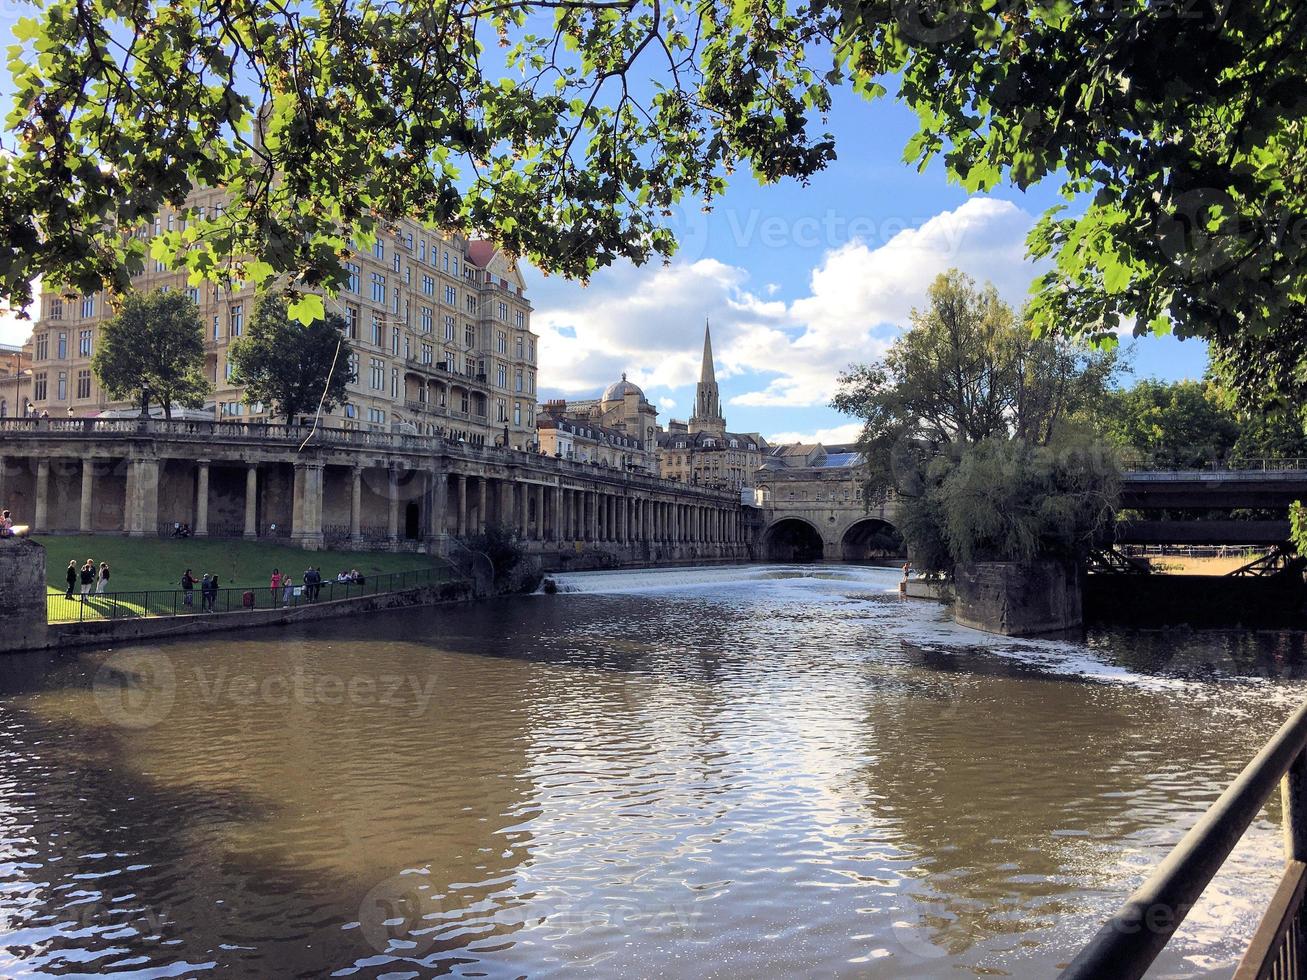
{"x": 1127, "y": 943}
{"x": 164, "y": 603}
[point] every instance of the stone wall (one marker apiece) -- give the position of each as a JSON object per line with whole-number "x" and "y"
{"x": 1018, "y": 598}
{"x": 22, "y": 594}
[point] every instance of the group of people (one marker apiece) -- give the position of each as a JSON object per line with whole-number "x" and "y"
{"x": 86, "y": 577}
{"x": 6, "y": 524}
{"x": 208, "y": 584}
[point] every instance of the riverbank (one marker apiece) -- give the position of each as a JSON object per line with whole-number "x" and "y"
{"x": 157, "y": 563}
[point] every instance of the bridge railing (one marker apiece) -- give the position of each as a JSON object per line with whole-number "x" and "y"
{"x": 1127, "y": 943}
{"x": 1134, "y": 463}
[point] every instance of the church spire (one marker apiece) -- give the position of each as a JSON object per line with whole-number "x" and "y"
{"x": 707, "y": 415}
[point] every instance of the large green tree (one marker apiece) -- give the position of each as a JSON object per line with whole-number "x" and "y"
{"x": 152, "y": 349}
{"x": 569, "y": 129}
{"x": 293, "y": 367}
{"x": 1179, "y": 425}
{"x": 965, "y": 371}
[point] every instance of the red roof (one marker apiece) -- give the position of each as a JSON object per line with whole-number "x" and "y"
{"x": 481, "y": 252}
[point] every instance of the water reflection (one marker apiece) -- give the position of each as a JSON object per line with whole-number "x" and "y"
{"x": 714, "y": 772}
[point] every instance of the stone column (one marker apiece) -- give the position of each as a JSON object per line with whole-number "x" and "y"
{"x": 506, "y": 503}
{"x": 88, "y": 487}
{"x": 439, "y": 505}
{"x": 252, "y": 502}
{"x": 461, "y": 481}
{"x": 594, "y": 515}
{"x": 42, "y": 509}
{"x": 392, "y": 502}
{"x": 356, "y": 504}
{"x": 142, "y": 505}
{"x": 540, "y": 512}
{"x": 556, "y": 527}
{"x": 483, "y": 495}
{"x": 524, "y": 510}
{"x": 306, "y": 525}
{"x": 201, "y": 528}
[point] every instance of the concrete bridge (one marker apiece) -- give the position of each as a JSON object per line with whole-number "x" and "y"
{"x": 350, "y": 489}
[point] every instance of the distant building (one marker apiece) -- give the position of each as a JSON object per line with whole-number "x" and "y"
{"x": 15, "y": 379}
{"x": 579, "y": 438}
{"x": 702, "y": 451}
{"x": 810, "y": 476}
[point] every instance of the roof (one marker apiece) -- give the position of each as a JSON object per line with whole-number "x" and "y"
{"x": 836, "y": 460}
{"x": 620, "y": 389}
{"x": 586, "y": 430}
{"x": 481, "y": 252}
{"x": 697, "y": 440}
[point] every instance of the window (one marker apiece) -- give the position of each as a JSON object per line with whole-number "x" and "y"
{"x": 428, "y": 286}
{"x": 377, "y": 381}
{"x": 394, "y": 341}
{"x": 378, "y": 288}
{"x": 229, "y": 370}
{"x": 216, "y": 328}
{"x": 422, "y": 249}
{"x": 396, "y": 300}
{"x": 395, "y": 263}
{"x": 377, "y": 416}
{"x": 424, "y": 319}
{"x": 501, "y": 410}
{"x": 237, "y": 319}
{"x": 517, "y": 382}
{"x": 376, "y": 331}
{"x": 519, "y": 320}
{"x": 379, "y": 249}
{"x": 463, "y": 402}
{"x": 517, "y": 413}
{"x": 56, "y": 309}
{"x": 88, "y": 306}
{"x": 501, "y": 342}
{"x": 449, "y": 328}
{"x": 455, "y": 265}
{"x": 42, "y": 347}
{"x": 469, "y": 335}
{"x": 84, "y": 343}
{"x": 519, "y": 348}
{"x": 193, "y": 294}
{"x": 471, "y": 303}
{"x": 351, "y": 411}
{"x": 426, "y": 353}
{"x": 503, "y": 312}
{"x": 352, "y": 283}
{"x": 394, "y": 382}
{"x": 353, "y": 361}
{"x": 63, "y": 386}
{"x": 63, "y": 346}
{"x": 83, "y": 384}
{"x": 352, "y": 322}
{"x": 39, "y": 386}
{"x": 451, "y": 295}
{"x": 501, "y": 376}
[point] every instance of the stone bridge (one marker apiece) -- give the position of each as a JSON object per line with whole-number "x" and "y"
{"x": 350, "y": 488}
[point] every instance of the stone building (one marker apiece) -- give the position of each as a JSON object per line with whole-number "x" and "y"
{"x": 439, "y": 329}
{"x": 619, "y": 423}
{"x": 702, "y": 451}
{"x": 565, "y": 436}
{"x": 15, "y": 380}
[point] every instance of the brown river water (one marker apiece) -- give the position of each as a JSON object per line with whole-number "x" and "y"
{"x": 728, "y": 772}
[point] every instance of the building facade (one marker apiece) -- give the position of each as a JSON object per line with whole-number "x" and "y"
{"x": 620, "y": 424}
{"x": 439, "y": 330}
{"x": 702, "y": 451}
{"x": 15, "y": 380}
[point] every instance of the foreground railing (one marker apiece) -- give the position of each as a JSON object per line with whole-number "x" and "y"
{"x": 178, "y": 602}
{"x": 1127, "y": 944}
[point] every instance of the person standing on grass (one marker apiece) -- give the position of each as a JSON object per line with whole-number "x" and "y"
{"x": 287, "y": 589}
{"x": 72, "y": 578}
{"x": 87, "y": 577}
{"x": 188, "y": 589}
{"x": 102, "y": 580}
{"x": 276, "y": 584}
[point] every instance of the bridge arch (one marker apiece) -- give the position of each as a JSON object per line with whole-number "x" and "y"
{"x": 871, "y": 538}
{"x": 793, "y": 539}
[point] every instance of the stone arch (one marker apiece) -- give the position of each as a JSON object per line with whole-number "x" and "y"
{"x": 871, "y": 538}
{"x": 793, "y": 539}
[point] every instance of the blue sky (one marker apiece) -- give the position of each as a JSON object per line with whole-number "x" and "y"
{"x": 798, "y": 283}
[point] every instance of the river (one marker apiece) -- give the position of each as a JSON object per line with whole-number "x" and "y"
{"x": 722, "y": 772}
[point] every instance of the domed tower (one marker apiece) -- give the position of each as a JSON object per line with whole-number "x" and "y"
{"x": 707, "y": 415}
{"x": 623, "y": 405}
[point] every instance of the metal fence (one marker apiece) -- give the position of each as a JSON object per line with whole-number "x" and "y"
{"x": 1128, "y": 943}
{"x": 79, "y": 608}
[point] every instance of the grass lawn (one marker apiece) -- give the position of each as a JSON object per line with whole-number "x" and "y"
{"x": 158, "y": 563}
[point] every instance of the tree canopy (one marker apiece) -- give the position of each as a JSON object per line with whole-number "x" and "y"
{"x": 292, "y": 367}
{"x": 567, "y": 130}
{"x": 152, "y": 347}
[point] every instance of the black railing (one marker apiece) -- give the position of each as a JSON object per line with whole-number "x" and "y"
{"x": 1127, "y": 944}
{"x": 149, "y": 603}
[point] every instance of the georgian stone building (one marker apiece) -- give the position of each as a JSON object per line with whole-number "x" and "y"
{"x": 702, "y": 451}
{"x": 619, "y": 426}
{"x": 15, "y": 380}
{"x": 439, "y": 330}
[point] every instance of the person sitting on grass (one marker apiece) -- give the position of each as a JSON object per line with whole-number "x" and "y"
{"x": 6, "y": 524}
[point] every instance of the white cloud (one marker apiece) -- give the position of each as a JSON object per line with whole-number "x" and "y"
{"x": 649, "y": 322}
{"x": 834, "y": 436}
{"x": 13, "y": 330}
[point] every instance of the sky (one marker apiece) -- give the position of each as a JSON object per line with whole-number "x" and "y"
{"x": 797, "y": 282}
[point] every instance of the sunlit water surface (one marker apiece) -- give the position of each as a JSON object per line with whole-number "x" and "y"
{"x": 717, "y": 772}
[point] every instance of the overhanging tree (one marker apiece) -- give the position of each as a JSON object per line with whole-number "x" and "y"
{"x": 152, "y": 348}
{"x": 568, "y": 129}
{"x": 293, "y": 367}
